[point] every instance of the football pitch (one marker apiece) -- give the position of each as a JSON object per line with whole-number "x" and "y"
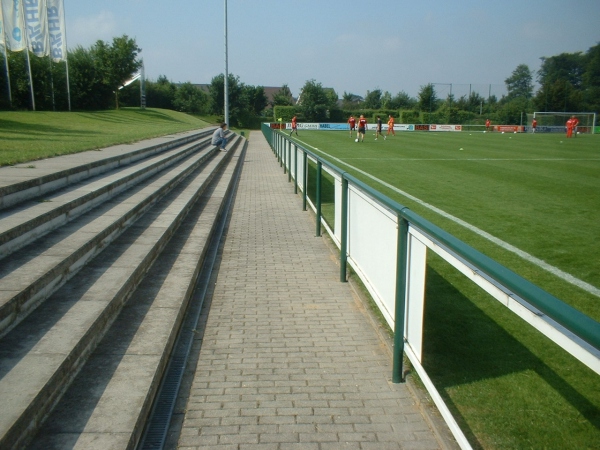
{"x": 532, "y": 203}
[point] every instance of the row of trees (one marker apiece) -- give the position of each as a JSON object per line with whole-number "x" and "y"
{"x": 568, "y": 82}
{"x": 95, "y": 75}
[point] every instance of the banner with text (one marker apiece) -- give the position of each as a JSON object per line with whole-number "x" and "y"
{"x": 339, "y": 126}
{"x": 36, "y": 23}
{"x": 445, "y": 127}
{"x": 57, "y": 30}
{"x": 14, "y": 25}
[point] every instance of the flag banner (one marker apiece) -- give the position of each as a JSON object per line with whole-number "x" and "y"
{"x": 13, "y": 25}
{"x": 135, "y": 77}
{"x": 36, "y": 25}
{"x": 1, "y": 28}
{"x": 56, "y": 30}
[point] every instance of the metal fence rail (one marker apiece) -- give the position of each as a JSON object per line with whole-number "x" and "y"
{"x": 391, "y": 263}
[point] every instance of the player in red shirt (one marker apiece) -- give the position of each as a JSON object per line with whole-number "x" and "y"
{"x": 533, "y": 125}
{"x": 575, "y": 122}
{"x": 569, "y": 126}
{"x": 352, "y": 124}
{"x": 488, "y": 124}
{"x": 294, "y": 126}
{"x": 362, "y": 127}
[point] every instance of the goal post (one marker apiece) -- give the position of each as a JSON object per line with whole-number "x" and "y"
{"x": 556, "y": 121}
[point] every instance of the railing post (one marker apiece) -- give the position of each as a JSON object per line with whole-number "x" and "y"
{"x": 401, "y": 277}
{"x": 279, "y": 156}
{"x": 305, "y": 179}
{"x": 289, "y": 161}
{"x": 318, "y": 197}
{"x": 344, "y": 231}
{"x": 283, "y": 153}
{"x": 295, "y": 169}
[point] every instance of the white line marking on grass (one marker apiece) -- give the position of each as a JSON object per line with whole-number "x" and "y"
{"x": 505, "y": 245}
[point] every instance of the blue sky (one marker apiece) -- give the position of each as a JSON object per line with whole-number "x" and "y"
{"x": 352, "y": 46}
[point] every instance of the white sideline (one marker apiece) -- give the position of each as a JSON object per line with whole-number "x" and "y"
{"x": 505, "y": 245}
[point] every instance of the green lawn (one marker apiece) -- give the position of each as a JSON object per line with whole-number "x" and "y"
{"x": 508, "y": 386}
{"x": 27, "y": 136}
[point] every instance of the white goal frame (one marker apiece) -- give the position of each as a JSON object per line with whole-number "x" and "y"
{"x": 579, "y": 115}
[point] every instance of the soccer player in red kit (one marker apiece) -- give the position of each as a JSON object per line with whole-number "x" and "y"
{"x": 352, "y": 124}
{"x": 294, "y": 126}
{"x": 575, "y": 122}
{"x": 362, "y": 128}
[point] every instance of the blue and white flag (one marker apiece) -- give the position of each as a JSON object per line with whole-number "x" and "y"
{"x": 14, "y": 26}
{"x": 36, "y": 25}
{"x": 57, "y": 30}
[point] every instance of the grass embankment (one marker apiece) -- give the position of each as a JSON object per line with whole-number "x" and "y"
{"x": 29, "y": 136}
{"x": 507, "y": 385}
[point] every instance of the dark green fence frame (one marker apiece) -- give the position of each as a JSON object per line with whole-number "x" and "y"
{"x": 573, "y": 320}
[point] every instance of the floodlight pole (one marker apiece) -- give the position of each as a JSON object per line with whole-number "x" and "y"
{"x": 226, "y": 80}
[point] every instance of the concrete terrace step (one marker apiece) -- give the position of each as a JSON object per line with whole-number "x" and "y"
{"x": 109, "y": 401}
{"x": 18, "y": 185}
{"x": 38, "y": 269}
{"x": 31, "y": 219}
{"x": 41, "y": 356}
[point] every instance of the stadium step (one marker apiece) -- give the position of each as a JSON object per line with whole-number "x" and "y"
{"x": 18, "y": 186}
{"x": 45, "y": 264}
{"x": 125, "y": 270}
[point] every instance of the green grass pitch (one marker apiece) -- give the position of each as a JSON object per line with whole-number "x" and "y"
{"x": 508, "y": 386}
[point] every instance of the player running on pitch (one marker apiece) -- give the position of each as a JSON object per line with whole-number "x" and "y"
{"x": 352, "y": 124}
{"x": 379, "y": 129}
{"x": 362, "y": 128}
{"x": 391, "y": 126}
{"x": 294, "y": 126}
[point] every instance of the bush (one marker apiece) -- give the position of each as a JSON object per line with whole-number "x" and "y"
{"x": 409, "y": 116}
{"x": 284, "y": 112}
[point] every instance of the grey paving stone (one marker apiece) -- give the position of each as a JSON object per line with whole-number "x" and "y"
{"x": 287, "y": 354}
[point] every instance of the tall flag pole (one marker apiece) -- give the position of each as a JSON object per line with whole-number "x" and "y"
{"x": 226, "y": 72}
{"x": 3, "y": 44}
{"x": 26, "y": 48}
{"x": 57, "y": 33}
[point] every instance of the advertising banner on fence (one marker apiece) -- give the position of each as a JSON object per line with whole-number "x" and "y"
{"x": 337, "y": 126}
{"x": 509, "y": 128}
{"x": 445, "y": 127}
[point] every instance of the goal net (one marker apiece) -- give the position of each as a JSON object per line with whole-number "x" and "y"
{"x": 549, "y": 122}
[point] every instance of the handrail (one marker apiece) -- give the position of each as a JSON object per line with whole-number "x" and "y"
{"x": 572, "y": 319}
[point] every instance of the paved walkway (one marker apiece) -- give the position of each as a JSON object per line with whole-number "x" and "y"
{"x": 289, "y": 358}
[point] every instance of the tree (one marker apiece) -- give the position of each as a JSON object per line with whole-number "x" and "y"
{"x": 283, "y": 97}
{"x": 591, "y": 79}
{"x": 217, "y": 94}
{"x": 373, "y": 99}
{"x": 88, "y": 90}
{"x": 427, "y": 98}
{"x": 350, "y": 101}
{"x": 314, "y": 101}
{"x": 188, "y": 98}
{"x": 117, "y": 62}
{"x": 402, "y": 101}
{"x": 160, "y": 94}
{"x": 520, "y": 83}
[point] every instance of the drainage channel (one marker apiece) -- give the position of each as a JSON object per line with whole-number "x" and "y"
{"x": 157, "y": 425}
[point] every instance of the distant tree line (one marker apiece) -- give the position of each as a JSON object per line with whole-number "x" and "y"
{"x": 568, "y": 82}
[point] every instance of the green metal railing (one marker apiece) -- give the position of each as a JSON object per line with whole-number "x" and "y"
{"x": 573, "y": 320}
